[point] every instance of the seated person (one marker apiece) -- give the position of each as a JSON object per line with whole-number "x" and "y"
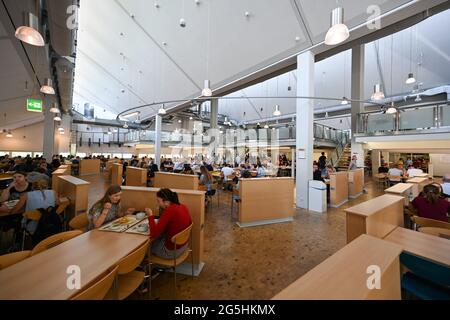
{"x": 19, "y": 186}
{"x": 397, "y": 172}
{"x": 446, "y": 185}
{"x": 429, "y": 204}
{"x": 206, "y": 180}
{"x": 227, "y": 171}
{"x": 317, "y": 173}
{"x": 187, "y": 169}
{"x": 383, "y": 169}
{"x": 40, "y": 198}
{"x": 412, "y": 172}
{"x": 261, "y": 172}
{"x": 329, "y": 170}
{"x": 245, "y": 175}
{"x": 174, "y": 219}
{"x": 107, "y": 208}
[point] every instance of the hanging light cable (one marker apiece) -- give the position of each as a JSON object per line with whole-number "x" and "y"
{"x": 207, "y": 92}
{"x": 410, "y": 79}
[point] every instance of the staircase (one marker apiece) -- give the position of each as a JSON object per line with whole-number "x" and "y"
{"x": 344, "y": 158}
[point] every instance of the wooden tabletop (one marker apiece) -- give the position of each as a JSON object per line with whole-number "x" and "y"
{"x": 420, "y": 244}
{"x": 417, "y": 180}
{"x": 421, "y": 175}
{"x": 372, "y": 206}
{"x": 439, "y": 232}
{"x": 44, "y": 277}
{"x": 74, "y": 180}
{"x": 344, "y": 274}
{"x": 399, "y": 188}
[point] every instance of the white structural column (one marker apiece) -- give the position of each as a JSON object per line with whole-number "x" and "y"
{"x": 62, "y": 141}
{"x": 214, "y": 128}
{"x": 49, "y": 135}
{"x": 304, "y": 127}
{"x": 357, "y": 92}
{"x": 158, "y": 132}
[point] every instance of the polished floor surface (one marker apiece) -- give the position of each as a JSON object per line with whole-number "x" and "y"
{"x": 256, "y": 262}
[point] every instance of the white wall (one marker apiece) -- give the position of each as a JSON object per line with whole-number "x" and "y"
{"x": 441, "y": 164}
{"x": 29, "y": 138}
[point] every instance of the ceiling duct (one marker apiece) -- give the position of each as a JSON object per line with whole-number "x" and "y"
{"x": 61, "y": 22}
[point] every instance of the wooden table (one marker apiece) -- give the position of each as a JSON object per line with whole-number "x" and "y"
{"x": 401, "y": 189}
{"x": 344, "y": 274}
{"x": 175, "y": 181}
{"x": 338, "y": 188}
{"x": 116, "y": 173}
{"x": 89, "y": 166}
{"x": 355, "y": 183}
{"x": 44, "y": 276}
{"x": 430, "y": 247}
{"x": 439, "y": 232}
{"x": 376, "y": 217}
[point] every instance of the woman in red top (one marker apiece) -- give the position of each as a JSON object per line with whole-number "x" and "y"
{"x": 429, "y": 204}
{"x": 174, "y": 219}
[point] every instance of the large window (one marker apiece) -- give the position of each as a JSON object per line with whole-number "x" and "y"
{"x": 127, "y": 155}
{"x": 20, "y": 154}
{"x": 118, "y": 155}
{"x": 81, "y": 154}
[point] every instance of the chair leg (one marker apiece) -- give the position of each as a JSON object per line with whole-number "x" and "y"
{"x": 175, "y": 279}
{"x": 192, "y": 264}
{"x": 149, "y": 290}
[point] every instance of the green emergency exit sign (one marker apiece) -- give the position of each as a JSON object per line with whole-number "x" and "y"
{"x": 34, "y": 105}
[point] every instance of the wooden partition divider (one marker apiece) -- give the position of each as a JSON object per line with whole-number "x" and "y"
{"x": 418, "y": 184}
{"x": 376, "y": 217}
{"x": 403, "y": 190}
{"x": 338, "y": 189}
{"x": 355, "y": 183}
{"x": 89, "y": 166}
{"x": 109, "y": 166}
{"x": 59, "y": 172}
{"x": 265, "y": 201}
{"x": 343, "y": 276}
{"x": 142, "y": 197}
{"x": 136, "y": 177}
{"x": 76, "y": 190}
{"x": 116, "y": 173}
{"x": 175, "y": 180}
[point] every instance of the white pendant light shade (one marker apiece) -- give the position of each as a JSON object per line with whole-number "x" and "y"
{"x": 60, "y": 129}
{"x": 392, "y": 109}
{"x": 410, "y": 79}
{"x": 344, "y": 101}
{"x": 54, "y": 108}
{"x": 57, "y": 118}
{"x": 277, "y": 111}
{"x": 29, "y": 32}
{"x": 162, "y": 110}
{"x": 9, "y": 134}
{"x": 418, "y": 98}
{"x": 125, "y": 126}
{"x": 47, "y": 87}
{"x": 338, "y": 31}
{"x": 377, "y": 93}
{"x": 266, "y": 126}
{"x": 206, "y": 92}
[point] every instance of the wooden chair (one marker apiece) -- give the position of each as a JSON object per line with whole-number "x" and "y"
{"x": 425, "y": 222}
{"x": 9, "y": 259}
{"x": 234, "y": 194}
{"x": 128, "y": 279}
{"x": 438, "y": 232}
{"x": 179, "y": 239}
{"x": 381, "y": 179}
{"x": 79, "y": 222}
{"x": 34, "y": 215}
{"x": 99, "y": 289}
{"x": 61, "y": 210}
{"x": 54, "y": 240}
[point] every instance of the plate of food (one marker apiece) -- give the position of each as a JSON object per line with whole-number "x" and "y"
{"x": 120, "y": 224}
{"x": 11, "y": 204}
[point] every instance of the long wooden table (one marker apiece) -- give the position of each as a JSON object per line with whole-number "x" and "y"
{"x": 44, "y": 276}
{"x": 89, "y": 166}
{"x": 376, "y": 217}
{"x": 427, "y": 246}
{"x": 418, "y": 184}
{"x": 344, "y": 275}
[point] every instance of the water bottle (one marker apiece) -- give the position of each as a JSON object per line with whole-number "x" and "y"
{"x": 410, "y": 196}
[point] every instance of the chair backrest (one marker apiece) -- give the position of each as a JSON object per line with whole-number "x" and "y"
{"x": 182, "y": 237}
{"x": 79, "y": 222}
{"x": 33, "y": 215}
{"x": 54, "y": 240}
{"x": 9, "y": 259}
{"x": 99, "y": 289}
{"x": 434, "y": 272}
{"x": 425, "y": 222}
{"x": 132, "y": 261}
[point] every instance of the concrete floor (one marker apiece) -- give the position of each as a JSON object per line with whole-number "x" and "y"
{"x": 256, "y": 262}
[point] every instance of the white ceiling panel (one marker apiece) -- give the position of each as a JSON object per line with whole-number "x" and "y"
{"x": 317, "y": 14}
